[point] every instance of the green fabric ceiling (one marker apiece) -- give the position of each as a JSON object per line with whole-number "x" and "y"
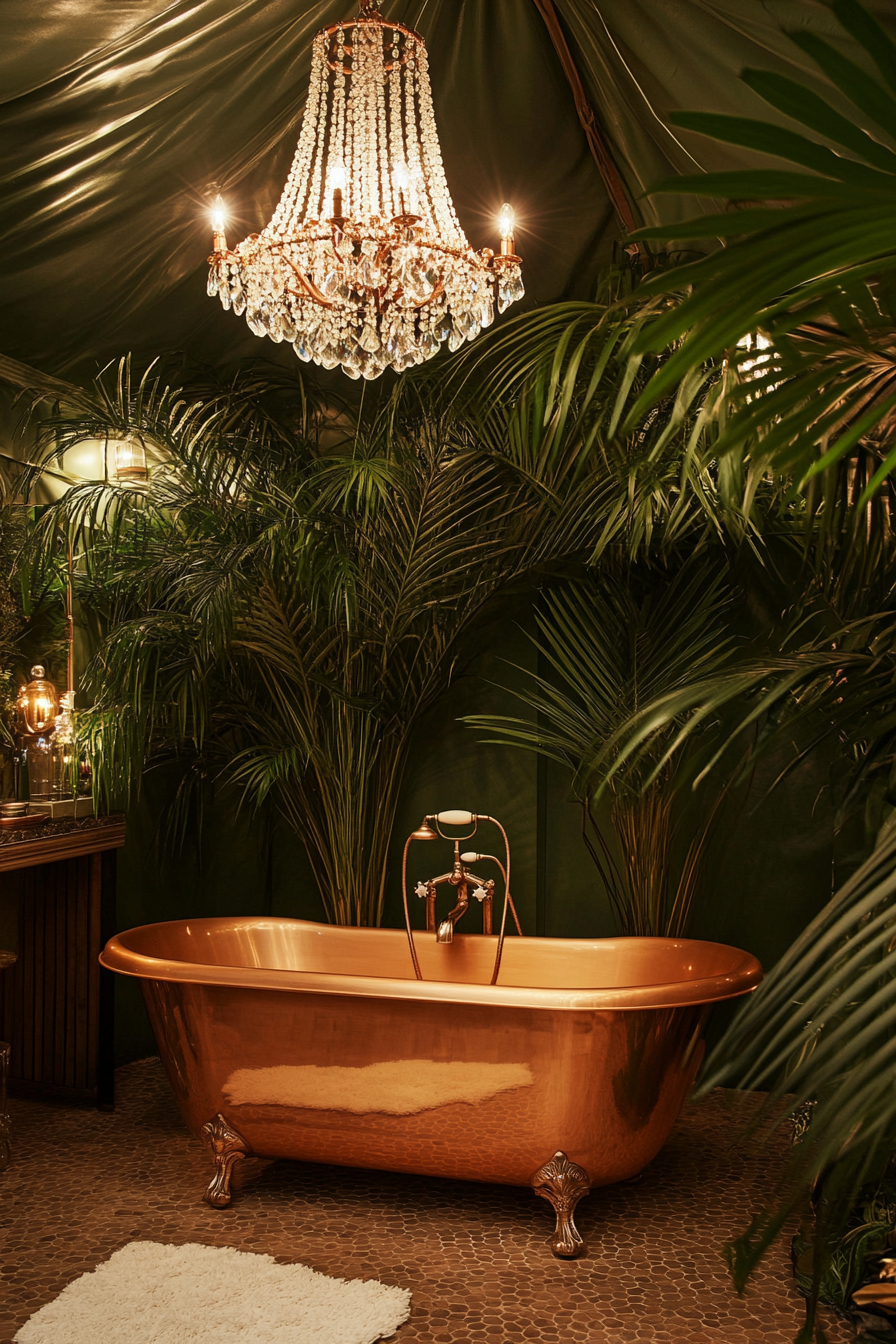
{"x": 119, "y": 115}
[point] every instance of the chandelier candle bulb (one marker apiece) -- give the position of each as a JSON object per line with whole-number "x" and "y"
{"x": 506, "y": 224}
{"x": 401, "y": 181}
{"x": 364, "y": 265}
{"x": 219, "y": 220}
{"x": 336, "y": 178}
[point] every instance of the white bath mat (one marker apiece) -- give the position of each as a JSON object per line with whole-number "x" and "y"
{"x": 148, "y": 1293}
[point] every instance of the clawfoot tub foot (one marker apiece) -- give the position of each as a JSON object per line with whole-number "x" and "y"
{"x": 227, "y": 1148}
{"x": 563, "y": 1183}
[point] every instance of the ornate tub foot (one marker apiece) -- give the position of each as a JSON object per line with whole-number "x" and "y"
{"x": 563, "y": 1183}
{"x": 227, "y": 1148}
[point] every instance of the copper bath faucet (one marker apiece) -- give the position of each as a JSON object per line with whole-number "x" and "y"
{"x": 462, "y": 878}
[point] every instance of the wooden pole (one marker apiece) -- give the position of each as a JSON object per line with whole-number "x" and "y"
{"x": 600, "y": 150}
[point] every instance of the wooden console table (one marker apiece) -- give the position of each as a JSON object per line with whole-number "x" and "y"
{"x": 56, "y": 1001}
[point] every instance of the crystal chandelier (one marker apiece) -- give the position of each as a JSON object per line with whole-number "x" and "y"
{"x": 364, "y": 264}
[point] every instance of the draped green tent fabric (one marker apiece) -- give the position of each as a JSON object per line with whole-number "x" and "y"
{"x": 119, "y": 119}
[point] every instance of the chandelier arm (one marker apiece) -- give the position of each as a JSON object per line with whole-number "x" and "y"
{"x": 439, "y": 289}
{"x": 308, "y": 285}
{"x": 600, "y": 150}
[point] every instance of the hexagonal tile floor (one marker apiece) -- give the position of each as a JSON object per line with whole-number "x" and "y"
{"x": 475, "y": 1257}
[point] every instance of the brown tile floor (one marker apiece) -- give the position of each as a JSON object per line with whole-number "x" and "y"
{"x": 475, "y": 1257}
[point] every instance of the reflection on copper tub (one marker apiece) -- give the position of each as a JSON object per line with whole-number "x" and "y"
{"x": 285, "y": 1038}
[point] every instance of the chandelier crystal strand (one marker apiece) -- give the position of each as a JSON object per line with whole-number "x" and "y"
{"x": 364, "y": 264}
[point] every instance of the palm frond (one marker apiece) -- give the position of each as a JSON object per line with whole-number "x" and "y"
{"x": 820, "y": 1029}
{"x": 817, "y": 244}
{"x": 610, "y": 644}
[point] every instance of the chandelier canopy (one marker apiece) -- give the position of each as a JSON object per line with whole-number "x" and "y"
{"x": 364, "y": 263}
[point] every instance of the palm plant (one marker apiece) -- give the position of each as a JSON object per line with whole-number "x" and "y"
{"x": 820, "y": 1028}
{"x": 11, "y": 627}
{"x": 279, "y": 616}
{"x": 816, "y": 408}
{"x": 610, "y": 644}
{"x": 278, "y": 613}
{"x": 809, "y": 419}
{"x": 552, "y": 392}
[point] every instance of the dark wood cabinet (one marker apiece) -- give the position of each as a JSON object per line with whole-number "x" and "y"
{"x": 56, "y": 1001}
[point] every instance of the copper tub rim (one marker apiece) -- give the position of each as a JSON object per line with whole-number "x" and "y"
{"x": 741, "y": 979}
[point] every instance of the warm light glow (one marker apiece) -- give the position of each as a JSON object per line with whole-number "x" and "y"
{"x": 336, "y": 181}
{"x": 86, "y": 459}
{"x": 506, "y": 221}
{"x": 364, "y": 264}
{"x": 754, "y": 343}
{"x": 219, "y": 214}
{"x": 37, "y": 704}
{"x": 128, "y": 459}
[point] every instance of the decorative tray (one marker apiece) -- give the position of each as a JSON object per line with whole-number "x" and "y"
{"x": 23, "y": 823}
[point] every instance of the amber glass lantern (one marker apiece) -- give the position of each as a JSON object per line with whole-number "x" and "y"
{"x": 37, "y": 705}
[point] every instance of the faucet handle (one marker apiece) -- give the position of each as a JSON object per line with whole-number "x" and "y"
{"x": 422, "y": 889}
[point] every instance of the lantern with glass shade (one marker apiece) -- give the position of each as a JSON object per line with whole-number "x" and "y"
{"x": 38, "y": 711}
{"x": 126, "y": 456}
{"x": 45, "y": 729}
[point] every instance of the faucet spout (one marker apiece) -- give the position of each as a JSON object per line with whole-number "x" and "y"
{"x": 445, "y": 933}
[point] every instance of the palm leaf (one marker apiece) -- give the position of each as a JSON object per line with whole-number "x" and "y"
{"x": 818, "y": 246}
{"x": 820, "y": 1029}
{"x": 608, "y": 645}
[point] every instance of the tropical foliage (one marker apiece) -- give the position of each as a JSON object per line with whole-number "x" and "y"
{"x": 609, "y": 645}
{"x": 804, "y": 414}
{"x": 290, "y": 591}
{"x": 278, "y": 615}
{"x": 11, "y": 624}
{"x": 815, "y": 408}
{"x": 277, "y": 612}
{"x": 821, "y": 1031}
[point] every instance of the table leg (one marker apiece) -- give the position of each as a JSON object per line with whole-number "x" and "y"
{"x": 5, "y": 1125}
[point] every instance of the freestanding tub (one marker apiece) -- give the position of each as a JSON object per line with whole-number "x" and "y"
{"x": 285, "y": 1038}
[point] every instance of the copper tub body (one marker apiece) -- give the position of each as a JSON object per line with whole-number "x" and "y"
{"x": 316, "y": 1043}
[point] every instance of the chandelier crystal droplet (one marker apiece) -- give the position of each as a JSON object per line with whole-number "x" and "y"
{"x": 364, "y": 264}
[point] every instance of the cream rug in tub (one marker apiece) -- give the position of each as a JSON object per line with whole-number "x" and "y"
{"x": 149, "y": 1293}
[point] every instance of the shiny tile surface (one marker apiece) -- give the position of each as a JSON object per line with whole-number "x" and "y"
{"x": 474, "y": 1256}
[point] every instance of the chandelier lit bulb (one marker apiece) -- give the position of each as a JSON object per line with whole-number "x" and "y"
{"x": 364, "y": 264}
{"x": 219, "y": 221}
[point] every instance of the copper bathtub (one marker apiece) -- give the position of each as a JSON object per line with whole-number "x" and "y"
{"x": 291, "y": 1039}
